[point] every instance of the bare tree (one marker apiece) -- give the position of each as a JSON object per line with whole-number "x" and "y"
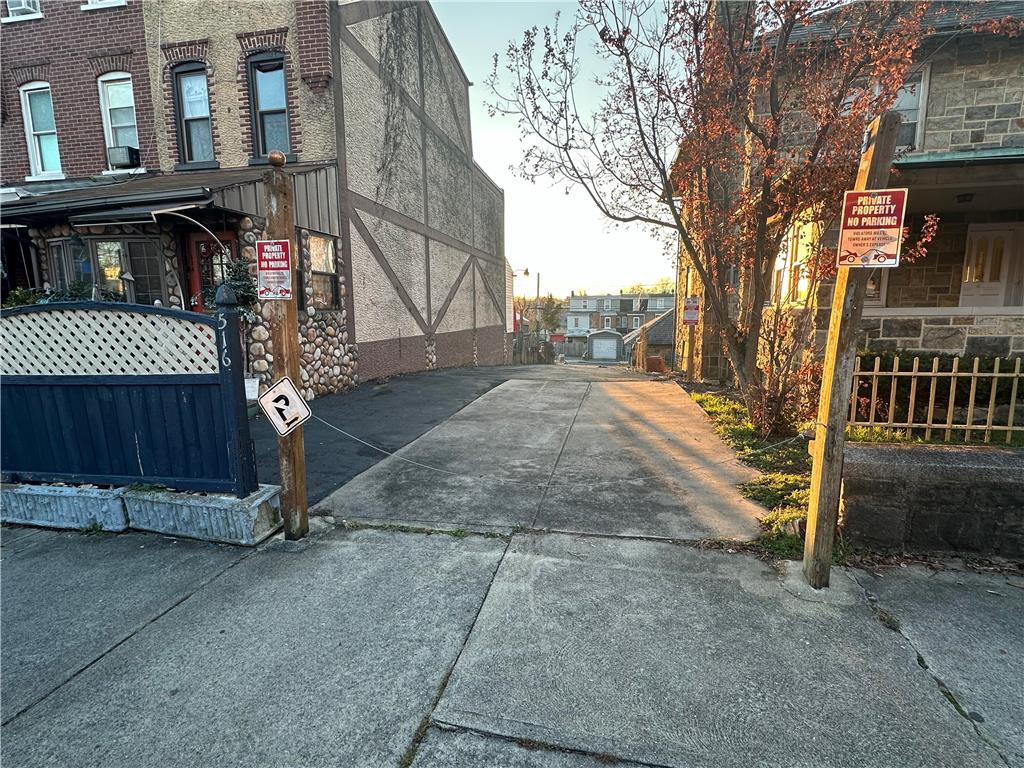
{"x": 719, "y": 124}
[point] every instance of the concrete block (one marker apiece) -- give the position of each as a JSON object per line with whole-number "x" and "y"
{"x": 58, "y": 506}
{"x": 934, "y": 497}
{"x": 210, "y": 517}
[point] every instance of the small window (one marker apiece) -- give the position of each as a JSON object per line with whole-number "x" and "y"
{"x": 117, "y": 104}
{"x": 91, "y": 5}
{"x": 908, "y": 103}
{"x": 192, "y": 108}
{"x": 583, "y": 304}
{"x": 22, "y": 10}
{"x": 636, "y": 322}
{"x": 325, "y": 272}
{"x": 268, "y": 93}
{"x": 608, "y": 322}
{"x": 40, "y": 129}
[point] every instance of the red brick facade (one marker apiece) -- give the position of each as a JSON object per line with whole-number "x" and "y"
{"x": 69, "y": 48}
{"x": 261, "y": 42}
{"x": 313, "y": 19}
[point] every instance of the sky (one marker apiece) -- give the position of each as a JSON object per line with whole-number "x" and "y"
{"x": 561, "y": 236}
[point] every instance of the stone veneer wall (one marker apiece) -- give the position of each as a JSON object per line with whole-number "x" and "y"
{"x": 975, "y": 91}
{"x": 328, "y": 356}
{"x": 995, "y": 336}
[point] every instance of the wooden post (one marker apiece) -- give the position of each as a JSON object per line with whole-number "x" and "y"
{"x": 284, "y": 332}
{"x": 833, "y": 404}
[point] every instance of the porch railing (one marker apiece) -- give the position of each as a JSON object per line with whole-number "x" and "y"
{"x": 962, "y": 404}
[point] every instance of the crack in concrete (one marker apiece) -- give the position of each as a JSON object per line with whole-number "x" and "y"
{"x": 201, "y": 585}
{"x": 542, "y": 746}
{"x": 561, "y": 450}
{"x": 421, "y": 731}
{"x": 890, "y": 622}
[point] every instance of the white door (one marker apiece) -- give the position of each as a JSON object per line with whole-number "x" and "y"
{"x": 986, "y": 262}
{"x": 605, "y": 349}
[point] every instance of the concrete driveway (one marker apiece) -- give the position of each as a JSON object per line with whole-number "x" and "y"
{"x": 613, "y": 457}
{"x": 570, "y": 634}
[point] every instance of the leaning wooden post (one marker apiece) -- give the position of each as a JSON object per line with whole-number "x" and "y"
{"x": 284, "y": 332}
{"x": 833, "y": 404}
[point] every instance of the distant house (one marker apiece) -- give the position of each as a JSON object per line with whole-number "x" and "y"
{"x": 623, "y": 312}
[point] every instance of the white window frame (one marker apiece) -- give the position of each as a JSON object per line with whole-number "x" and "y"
{"x": 94, "y": 5}
{"x": 108, "y": 132}
{"x": 636, "y": 321}
{"x": 882, "y": 289}
{"x": 608, "y": 321}
{"x": 8, "y": 19}
{"x": 922, "y": 109}
{"x": 583, "y": 304}
{"x": 35, "y": 162}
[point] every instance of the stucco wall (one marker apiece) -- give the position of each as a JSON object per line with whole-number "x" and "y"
{"x": 176, "y": 21}
{"x": 427, "y": 241}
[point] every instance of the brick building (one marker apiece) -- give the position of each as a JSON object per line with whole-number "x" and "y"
{"x": 962, "y": 158}
{"x": 134, "y": 139}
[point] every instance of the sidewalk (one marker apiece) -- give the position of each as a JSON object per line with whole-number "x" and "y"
{"x": 559, "y": 606}
{"x": 367, "y": 648}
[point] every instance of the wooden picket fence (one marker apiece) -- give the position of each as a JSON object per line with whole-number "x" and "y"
{"x": 956, "y": 405}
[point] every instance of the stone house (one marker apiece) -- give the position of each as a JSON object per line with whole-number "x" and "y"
{"x": 961, "y": 156}
{"x": 133, "y": 162}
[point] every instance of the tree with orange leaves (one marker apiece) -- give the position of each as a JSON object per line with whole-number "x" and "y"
{"x": 722, "y": 124}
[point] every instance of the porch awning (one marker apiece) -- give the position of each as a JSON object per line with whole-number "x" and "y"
{"x": 136, "y": 198}
{"x": 145, "y": 214}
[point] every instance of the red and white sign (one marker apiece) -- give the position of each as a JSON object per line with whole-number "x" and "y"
{"x": 273, "y": 269}
{"x": 691, "y": 310}
{"x": 871, "y": 232}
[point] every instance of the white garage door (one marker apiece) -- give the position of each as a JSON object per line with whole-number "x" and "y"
{"x": 605, "y": 349}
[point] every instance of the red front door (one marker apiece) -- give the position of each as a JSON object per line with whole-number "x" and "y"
{"x": 206, "y": 267}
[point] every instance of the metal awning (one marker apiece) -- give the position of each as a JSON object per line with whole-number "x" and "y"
{"x": 145, "y": 214}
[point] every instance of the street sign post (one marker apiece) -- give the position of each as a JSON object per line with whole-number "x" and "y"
{"x": 274, "y": 270}
{"x": 284, "y": 406}
{"x": 871, "y": 230}
{"x": 837, "y": 369}
{"x": 275, "y": 283}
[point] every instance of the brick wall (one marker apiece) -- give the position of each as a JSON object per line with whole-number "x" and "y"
{"x": 314, "y": 31}
{"x": 70, "y": 48}
{"x": 975, "y": 91}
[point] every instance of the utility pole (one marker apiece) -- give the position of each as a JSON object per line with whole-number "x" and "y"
{"x": 284, "y": 331}
{"x": 536, "y": 315}
{"x": 837, "y": 374}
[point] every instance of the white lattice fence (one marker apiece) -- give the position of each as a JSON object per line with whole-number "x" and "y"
{"x": 108, "y": 342}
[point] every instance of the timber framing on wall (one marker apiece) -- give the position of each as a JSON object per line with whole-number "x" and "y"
{"x": 470, "y": 278}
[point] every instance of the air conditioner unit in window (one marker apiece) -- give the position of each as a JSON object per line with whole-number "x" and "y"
{"x": 123, "y": 157}
{"x": 22, "y": 7}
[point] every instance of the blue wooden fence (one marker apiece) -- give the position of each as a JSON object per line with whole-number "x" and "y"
{"x": 116, "y": 394}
